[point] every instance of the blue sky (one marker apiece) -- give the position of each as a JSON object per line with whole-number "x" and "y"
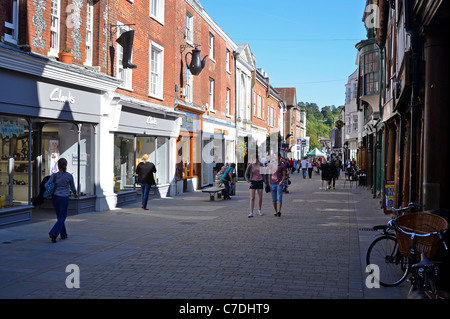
{"x": 306, "y": 44}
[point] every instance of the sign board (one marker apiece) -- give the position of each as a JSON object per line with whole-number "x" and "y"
{"x": 299, "y": 141}
{"x": 388, "y": 197}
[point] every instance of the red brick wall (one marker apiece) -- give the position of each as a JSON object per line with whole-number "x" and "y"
{"x": 170, "y": 35}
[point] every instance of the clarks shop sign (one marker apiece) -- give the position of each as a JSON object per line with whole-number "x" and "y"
{"x": 58, "y": 95}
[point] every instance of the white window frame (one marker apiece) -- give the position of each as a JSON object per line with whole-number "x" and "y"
{"x": 125, "y": 74}
{"x": 14, "y": 25}
{"x": 228, "y": 60}
{"x": 54, "y": 28}
{"x": 228, "y": 101}
{"x": 258, "y": 105}
{"x": 89, "y": 32}
{"x": 211, "y": 94}
{"x": 157, "y": 10}
{"x": 189, "y": 86}
{"x": 189, "y": 28}
{"x": 211, "y": 46}
{"x": 156, "y": 73}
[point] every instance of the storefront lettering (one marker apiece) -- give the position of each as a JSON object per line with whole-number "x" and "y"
{"x": 56, "y": 95}
{"x": 151, "y": 120}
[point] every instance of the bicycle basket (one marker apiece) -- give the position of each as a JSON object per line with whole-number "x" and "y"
{"x": 420, "y": 223}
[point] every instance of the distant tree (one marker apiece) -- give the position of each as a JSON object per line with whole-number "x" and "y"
{"x": 319, "y": 122}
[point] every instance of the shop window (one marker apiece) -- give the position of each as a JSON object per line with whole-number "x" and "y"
{"x": 124, "y": 162}
{"x": 158, "y": 150}
{"x": 61, "y": 140}
{"x": 162, "y": 160}
{"x": 14, "y": 162}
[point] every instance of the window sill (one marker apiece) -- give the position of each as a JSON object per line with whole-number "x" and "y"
{"x": 157, "y": 97}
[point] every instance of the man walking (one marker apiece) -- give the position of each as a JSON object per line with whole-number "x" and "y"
{"x": 304, "y": 166}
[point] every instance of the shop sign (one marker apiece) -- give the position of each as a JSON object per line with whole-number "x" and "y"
{"x": 57, "y": 95}
{"x": 151, "y": 120}
{"x": 191, "y": 122}
{"x": 388, "y": 196}
{"x": 9, "y": 129}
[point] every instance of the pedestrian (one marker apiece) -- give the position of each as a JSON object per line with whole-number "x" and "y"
{"x": 227, "y": 179}
{"x": 304, "y": 166}
{"x": 333, "y": 174}
{"x": 325, "y": 168}
{"x": 277, "y": 172}
{"x": 310, "y": 168}
{"x": 254, "y": 178}
{"x": 338, "y": 166}
{"x": 219, "y": 182}
{"x": 64, "y": 183}
{"x": 145, "y": 170}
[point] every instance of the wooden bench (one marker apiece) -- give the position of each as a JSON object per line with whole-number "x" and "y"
{"x": 212, "y": 192}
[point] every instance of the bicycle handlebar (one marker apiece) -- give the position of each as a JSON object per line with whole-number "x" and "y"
{"x": 410, "y": 205}
{"x": 393, "y": 224}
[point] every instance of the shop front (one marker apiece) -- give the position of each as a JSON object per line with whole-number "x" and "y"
{"x": 144, "y": 128}
{"x": 189, "y": 150}
{"x": 42, "y": 119}
{"x": 218, "y": 147}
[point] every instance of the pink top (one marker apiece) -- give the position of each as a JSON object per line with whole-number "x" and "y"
{"x": 256, "y": 175}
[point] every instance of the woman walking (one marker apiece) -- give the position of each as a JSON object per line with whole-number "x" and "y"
{"x": 277, "y": 171}
{"x": 325, "y": 168}
{"x": 63, "y": 182}
{"x": 145, "y": 170}
{"x": 254, "y": 178}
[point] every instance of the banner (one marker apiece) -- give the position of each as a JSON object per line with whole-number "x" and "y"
{"x": 388, "y": 197}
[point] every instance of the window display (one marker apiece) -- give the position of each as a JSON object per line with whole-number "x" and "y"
{"x": 14, "y": 162}
{"x": 61, "y": 140}
{"x": 124, "y": 162}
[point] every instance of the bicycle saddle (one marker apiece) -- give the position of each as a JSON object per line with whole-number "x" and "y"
{"x": 426, "y": 263}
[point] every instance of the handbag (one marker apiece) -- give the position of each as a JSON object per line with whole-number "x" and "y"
{"x": 49, "y": 191}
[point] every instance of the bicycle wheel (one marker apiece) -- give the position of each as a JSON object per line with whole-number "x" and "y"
{"x": 384, "y": 253}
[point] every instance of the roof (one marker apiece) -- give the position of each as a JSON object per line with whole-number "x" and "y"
{"x": 288, "y": 95}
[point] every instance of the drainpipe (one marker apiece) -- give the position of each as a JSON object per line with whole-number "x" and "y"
{"x": 414, "y": 96}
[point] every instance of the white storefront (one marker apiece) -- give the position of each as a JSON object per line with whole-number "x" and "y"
{"x": 218, "y": 146}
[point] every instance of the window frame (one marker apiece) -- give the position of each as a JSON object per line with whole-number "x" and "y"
{"x": 89, "y": 33}
{"x": 13, "y": 25}
{"x": 189, "y": 28}
{"x": 55, "y": 30}
{"x": 228, "y": 61}
{"x": 227, "y": 102}
{"x": 159, "y": 85}
{"x": 158, "y": 13}
{"x": 211, "y": 89}
{"x": 211, "y": 46}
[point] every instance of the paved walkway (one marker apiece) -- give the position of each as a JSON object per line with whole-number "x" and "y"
{"x": 189, "y": 247}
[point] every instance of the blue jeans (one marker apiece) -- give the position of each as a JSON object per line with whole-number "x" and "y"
{"x": 304, "y": 172}
{"x": 277, "y": 193}
{"x": 145, "y": 191}
{"x": 61, "y": 205}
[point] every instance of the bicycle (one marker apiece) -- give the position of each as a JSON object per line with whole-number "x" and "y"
{"x": 422, "y": 233}
{"x": 383, "y": 251}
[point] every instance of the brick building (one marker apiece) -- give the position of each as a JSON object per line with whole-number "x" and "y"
{"x": 102, "y": 111}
